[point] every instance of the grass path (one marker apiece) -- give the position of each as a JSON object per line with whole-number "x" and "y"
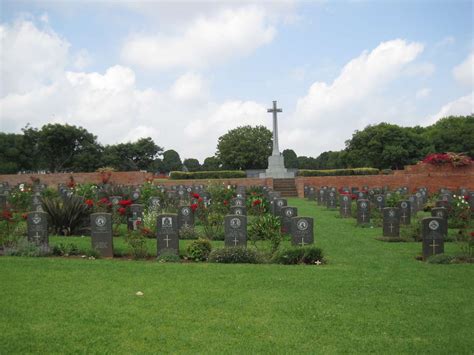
{"x": 371, "y": 297}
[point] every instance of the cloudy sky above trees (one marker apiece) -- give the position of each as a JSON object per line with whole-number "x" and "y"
{"x": 184, "y": 73}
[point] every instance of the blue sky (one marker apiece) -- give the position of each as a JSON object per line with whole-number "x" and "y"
{"x": 185, "y": 73}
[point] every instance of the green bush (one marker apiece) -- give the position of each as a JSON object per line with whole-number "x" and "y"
{"x": 65, "y": 249}
{"x": 298, "y": 255}
{"x": 168, "y": 258}
{"x": 199, "y": 249}
{"x": 188, "y": 232}
{"x": 339, "y": 172}
{"x": 137, "y": 244}
{"x": 441, "y": 259}
{"x": 235, "y": 255}
{"x": 67, "y": 216}
{"x": 24, "y": 248}
{"x": 224, "y": 174}
{"x": 266, "y": 227}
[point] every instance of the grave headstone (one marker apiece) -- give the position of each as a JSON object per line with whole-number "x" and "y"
{"x": 433, "y": 236}
{"x": 278, "y": 203}
{"x": 3, "y": 201}
{"x": 441, "y": 212}
{"x": 363, "y": 212}
{"x": 471, "y": 200}
{"x": 115, "y": 200}
{"x": 167, "y": 239}
{"x": 235, "y": 231}
{"x": 101, "y": 234}
{"x": 391, "y": 222}
{"x": 305, "y": 191}
{"x": 240, "y": 211}
{"x": 287, "y": 213}
{"x": 154, "y": 203}
{"x": 321, "y": 197}
{"x": 405, "y": 212}
{"x": 185, "y": 217}
{"x": 302, "y": 232}
{"x": 136, "y": 216}
{"x": 345, "y": 205}
{"x": 331, "y": 202}
{"x": 237, "y": 202}
{"x": 361, "y": 195}
{"x": 36, "y": 202}
{"x": 135, "y": 195}
{"x": 37, "y": 225}
{"x": 379, "y": 201}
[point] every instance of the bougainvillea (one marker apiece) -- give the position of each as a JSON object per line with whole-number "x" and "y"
{"x": 455, "y": 159}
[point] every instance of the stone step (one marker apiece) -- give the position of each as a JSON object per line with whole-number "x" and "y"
{"x": 286, "y": 187}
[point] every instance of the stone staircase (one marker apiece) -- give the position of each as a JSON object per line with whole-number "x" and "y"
{"x": 286, "y": 187}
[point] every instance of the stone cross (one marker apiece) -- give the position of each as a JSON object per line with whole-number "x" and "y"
{"x": 275, "y": 110}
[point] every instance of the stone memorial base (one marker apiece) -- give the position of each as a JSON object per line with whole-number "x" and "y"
{"x": 276, "y": 169}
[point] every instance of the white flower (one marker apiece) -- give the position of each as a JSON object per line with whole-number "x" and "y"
{"x": 139, "y": 293}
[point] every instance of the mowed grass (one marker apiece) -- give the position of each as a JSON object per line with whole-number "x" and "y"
{"x": 370, "y": 297}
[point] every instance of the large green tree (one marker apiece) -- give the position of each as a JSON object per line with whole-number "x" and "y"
{"x": 452, "y": 134}
{"x": 386, "y": 146}
{"x": 211, "y": 164}
{"x": 290, "y": 159}
{"x": 192, "y": 164}
{"x": 171, "y": 161}
{"x": 331, "y": 160}
{"x": 245, "y": 147}
{"x": 139, "y": 155}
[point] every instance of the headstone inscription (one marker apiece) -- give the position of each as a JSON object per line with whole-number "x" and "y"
{"x": 363, "y": 212}
{"x": 391, "y": 222}
{"x": 167, "y": 239}
{"x": 287, "y": 213}
{"x": 101, "y": 234}
{"x": 433, "y": 237}
{"x": 154, "y": 203}
{"x": 379, "y": 202}
{"x": 36, "y": 202}
{"x": 405, "y": 212}
{"x": 235, "y": 231}
{"x": 136, "y": 216}
{"x": 331, "y": 202}
{"x": 240, "y": 211}
{"x": 37, "y": 225}
{"x": 238, "y": 202}
{"x": 345, "y": 205}
{"x": 185, "y": 217}
{"x": 302, "y": 231}
{"x": 441, "y": 212}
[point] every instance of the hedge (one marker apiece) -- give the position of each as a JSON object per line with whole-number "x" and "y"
{"x": 339, "y": 172}
{"x": 224, "y": 174}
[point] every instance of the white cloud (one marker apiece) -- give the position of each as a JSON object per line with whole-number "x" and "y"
{"x": 30, "y": 57}
{"x": 444, "y": 42}
{"x": 82, "y": 60}
{"x": 459, "y": 107}
{"x": 207, "y": 40}
{"x": 424, "y": 69}
{"x": 189, "y": 87}
{"x": 423, "y": 93}
{"x": 329, "y": 113}
{"x": 464, "y": 72}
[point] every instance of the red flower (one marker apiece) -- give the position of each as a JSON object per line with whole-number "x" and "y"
{"x": 226, "y": 202}
{"x": 256, "y": 202}
{"x": 353, "y": 196}
{"x": 24, "y": 216}
{"x": 200, "y": 199}
{"x": 194, "y": 207}
{"x": 138, "y": 223}
{"x": 472, "y": 234}
{"x": 466, "y": 198}
{"x": 122, "y": 211}
{"x": 7, "y": 215}
{"x": 89, "y": 203}
{"x": 125, "y": 203}
{"x": 195, "y": 195}
{"x": 104, "y": 200}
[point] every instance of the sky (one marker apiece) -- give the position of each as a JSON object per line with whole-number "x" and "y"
{"x": 186, "y": 72}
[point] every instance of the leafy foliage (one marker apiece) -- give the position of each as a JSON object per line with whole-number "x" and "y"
{"x": 199, "y": 249}
{"x": 222, "y": 174}
{"x": 66, "y": 216}
{"x": 266, "y": 227}
{"x": 298, "y": 255}
{"x": 235, "y": 255}
{"x": 339, "y": 172}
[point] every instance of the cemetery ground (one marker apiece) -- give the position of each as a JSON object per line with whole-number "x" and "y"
{"x": 371, "y": 296}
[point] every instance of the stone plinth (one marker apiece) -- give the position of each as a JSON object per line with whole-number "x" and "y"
{"x": 276, "y": 169}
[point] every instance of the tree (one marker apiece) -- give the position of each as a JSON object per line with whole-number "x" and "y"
{"x": 64, "y": 147}
{"x": 307, "y": 163}
{"x": 138, "y": 155}
{"x": 290, "y": 159}
{"x": 452, "y": 134}
{"x": 171, "y": 161}
{"x": 331, "y": 160}
{"x": 386, "y": 146}
{"x": 11, "y": 153}
{"x": 245, "y": 148}
{"x": 211, "y": 164}
{"x": 192, "y": 164}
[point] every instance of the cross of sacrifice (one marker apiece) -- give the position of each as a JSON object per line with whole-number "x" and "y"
{"x": 167, "y": 239}
{"x": 275, "y": 110}
{"x": 434, "y": 245}
{"x": 236, "y": 241}
{"x": 302, "y": 242}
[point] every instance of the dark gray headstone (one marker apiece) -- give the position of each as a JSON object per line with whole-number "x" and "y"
{"x": 391, "y": 222}
{"x": 115, "y": 200}
{"x": 305, "y": 191}
{"x": 361, "y": 195}
{"x": 3, "y": 201}
{"x": 379, "y": 201}
{"x": 136, "y": 216}
{"x": 441, "y": 212}
{"x": 363, "y": 212}
{"x": 302, "y": 232}
{"x": 235, "y": 231}
{"x": 345, "y": 205}
{"x": 101, "y": 234}
{"x": 321, "y": 197}
{"x": 37, "y": 224}
{"x": 167, "y": 234}
{"x": 273, "y": 194}
{"x": 433, "y": 236}
{"x": 240, "y": 211}
{"x": 154, "y": 203}
{"x": 287, "y": 213}
{"x": 237, "y": 202}
{"x": 443, "y": 203}
{"x": 135, "y": 195}
{"x": 311, "y": 193}
{"x": 185, "y": 217}
{"x": 471, "y": 200}
{"x": 405, "y": 212}
{"x": 36, "y": 202}
{"x": 331, "y": 201}
{"x": 278, "y": 203}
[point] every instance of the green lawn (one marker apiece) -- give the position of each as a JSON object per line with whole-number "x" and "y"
{"x": 371, "y": 297}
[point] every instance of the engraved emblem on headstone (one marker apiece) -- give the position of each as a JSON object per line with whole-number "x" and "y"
{"x": 36, "y": 219}
{"x": 238, "y": 212}
{"x": 135, "y": 195}
{"x": 289, "y": 213}
{"x": 345, "y": 198}
{"x": 391, "y": 213}
{"x": 433, "y": 225}
{"x": 363, "y": 205}
{"x": 379, "y": 198}
{"x": 100, "y": 221}
{"x": 235, "y": 223}
{"x": 280, "y": 203}
{"x": 302, "y": 225}
{"x": 404, "y": 205}
{"x": 167, "y": 222}
{"x": 185, "y": 211}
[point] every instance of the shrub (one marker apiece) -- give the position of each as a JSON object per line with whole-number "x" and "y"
{"x": 137, "y": 244}
{"x": 188, "y": 233}
{"x": 224, "y": 174}
{"x": 199, "y": 249}
{"x": 441, "y": 259}
{"x": 266, "y": 227}
{"x": 298, "y": 255}
{"x": 168, "y": 258}
{"x": 339, "y": 172}
{"x": 65, "y": 249}
{"x": 235, "y": 255}
{"x": 68, "y": 216}
{"x": 24, "y": 248}
{"x": 455, "y": 159}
